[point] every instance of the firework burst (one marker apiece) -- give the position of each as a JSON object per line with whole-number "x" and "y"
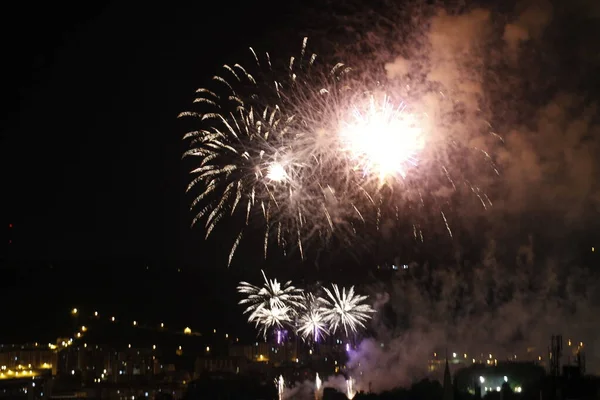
{"x": 310, "y": 154}
{"x": 274, "y": 306}
{"x": 263, "y": 158}
{"x": 346, "y": 310}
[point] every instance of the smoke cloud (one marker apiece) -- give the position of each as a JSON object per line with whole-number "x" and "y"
{"x": 519, "y": 84}
{"x": 509, "y": 310}
{"x": 536, "y": 91}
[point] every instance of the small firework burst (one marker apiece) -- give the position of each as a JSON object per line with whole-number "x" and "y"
{"x": 311, "y": 322}
{"x": 346, "y": 310}
{"x": 271, "y": 306}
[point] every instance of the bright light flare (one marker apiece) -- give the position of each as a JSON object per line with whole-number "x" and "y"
{"x": 276, "y": 172}
{"x": 382, "y": 139}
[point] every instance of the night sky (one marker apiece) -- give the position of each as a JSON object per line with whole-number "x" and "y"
{"x": 92, "y": 179}
{"x": 91, "y": 144}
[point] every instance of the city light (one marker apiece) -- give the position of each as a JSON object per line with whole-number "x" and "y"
{"x": 74, "y": 311}
{"x": 84, "y": 329}
{"x": 481, "y": 379}
{"x": 187, "y": 331}
{"x": 134, "y": 323}
{"x": 207, "y": 349}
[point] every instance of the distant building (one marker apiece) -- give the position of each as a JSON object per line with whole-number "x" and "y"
{"x": 32, "y": 361}
{"x": 448, "y": 387}
{"x": 519, "y": 376}
{"x": 233, "y": 365}
{"x": 263, "y": 352}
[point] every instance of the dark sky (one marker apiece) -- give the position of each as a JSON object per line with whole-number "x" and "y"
{"x": 91, "y": 145}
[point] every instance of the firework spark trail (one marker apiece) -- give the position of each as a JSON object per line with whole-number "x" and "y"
{"x": 346, "y": 310}
{"x": 280, "y": 383}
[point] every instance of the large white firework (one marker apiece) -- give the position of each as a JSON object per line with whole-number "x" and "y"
{"x": 311, "y": 322}
{"x": 346, "y": 310}
{"x": 271, "y": 305}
